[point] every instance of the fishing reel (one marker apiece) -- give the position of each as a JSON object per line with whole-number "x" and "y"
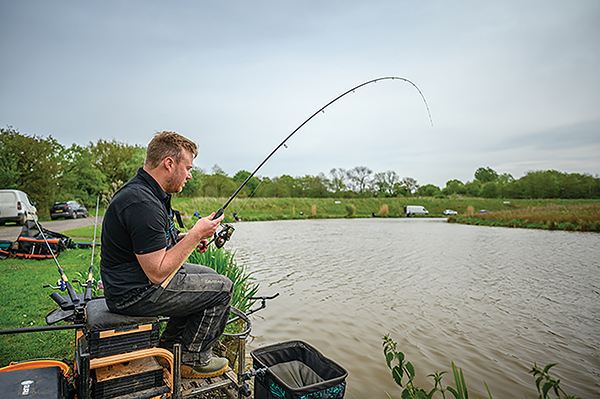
{"x": 221, "y": 237}
{"x": 224, "y": 235}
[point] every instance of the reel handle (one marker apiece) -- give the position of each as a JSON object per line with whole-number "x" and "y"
{"x": 217, "y": 215}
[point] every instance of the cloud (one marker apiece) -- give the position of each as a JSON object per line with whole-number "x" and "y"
{"x": 507, "y": 82}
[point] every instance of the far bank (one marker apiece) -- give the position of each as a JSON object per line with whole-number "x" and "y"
{"x": 552, "y": 214}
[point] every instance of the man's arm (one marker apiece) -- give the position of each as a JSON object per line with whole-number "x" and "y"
{"x": 159, "y": 265}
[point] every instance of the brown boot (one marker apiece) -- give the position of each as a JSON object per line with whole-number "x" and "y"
{"x": 215, "y": 367}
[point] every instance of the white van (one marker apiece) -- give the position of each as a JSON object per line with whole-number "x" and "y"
{"x": 15, "y": 206}
{"x": 410, "y": 210}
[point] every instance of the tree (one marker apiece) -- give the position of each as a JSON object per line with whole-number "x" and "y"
{"x": 312, "y": 186}
{"x": 218, "y": 184}
{"x": 116, "y": 160}
{"x": 383, "y": 183}
{"x": 473, "y": 188}
{"x": 359, "y": 178}
{"x": 454, "y": 187}
{"x": 80, "y": 179}
{"x": 31, "y": 164}
{"x": 485, "y": 175}
{"x": 252, "y": 184}
{"x": 429, "y": 190}
{"x": 490, "y": 190}
{"x": 410, "y": 185}
{"x": 338, "y": 180}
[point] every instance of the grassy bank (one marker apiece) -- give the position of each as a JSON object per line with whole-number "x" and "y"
{"x": 570, "y": 217}
{"x": 581, "y": 215}
{"x": 26, "y": 304}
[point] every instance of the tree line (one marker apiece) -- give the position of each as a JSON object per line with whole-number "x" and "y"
{"x": 49, "y": 171}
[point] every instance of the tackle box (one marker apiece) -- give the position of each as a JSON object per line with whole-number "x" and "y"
{"x": 109, "y": 333}
{"x": 295, "y": 370}
{"x": 35, "y": 383}
{"x": 128, "y": 377}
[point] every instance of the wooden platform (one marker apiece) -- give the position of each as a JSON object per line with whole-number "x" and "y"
{"x": 196, "y": 388}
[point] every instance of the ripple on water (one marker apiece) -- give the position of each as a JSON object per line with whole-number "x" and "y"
{"x": 492, "y": 300}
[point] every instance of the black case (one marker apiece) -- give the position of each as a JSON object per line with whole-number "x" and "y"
{"x": 38, "y": 383}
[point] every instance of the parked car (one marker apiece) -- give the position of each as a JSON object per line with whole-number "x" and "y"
{"x": 410, "y": 210}
{"x": 69, "y": 209}
{"x": 15, "y": 206}
{"x": 484, "y": 211}
{"x": 450, "y": 212}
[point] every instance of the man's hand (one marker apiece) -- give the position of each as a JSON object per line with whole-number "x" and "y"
{"x": 202, "y": 247}
{"x": 206, "y": 227}
{"x": 161, "y": 264}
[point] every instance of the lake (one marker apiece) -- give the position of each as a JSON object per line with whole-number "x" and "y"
{"x": 493, "y": 300}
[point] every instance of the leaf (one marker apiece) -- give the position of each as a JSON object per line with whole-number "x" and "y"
{"x": 453, "y": 391}
{"x": 411, "y": 370}
{"x": 538, "y": 381}
{"x": 388, "y": 358}
{"x": 488, "y": 390}
{"x": 546, "y": 388}
{"x": 400, "y": 357}
{"x": 548, "y": 367}
{"x": 421, "y": 394}
{"x": 397, "y": 374}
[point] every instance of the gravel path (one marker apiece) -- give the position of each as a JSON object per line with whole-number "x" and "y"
{"x": 11, "y": 232}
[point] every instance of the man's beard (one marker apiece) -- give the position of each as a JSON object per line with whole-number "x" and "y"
{"x": 173, "y": 185}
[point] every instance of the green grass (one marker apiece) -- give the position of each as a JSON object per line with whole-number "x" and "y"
{"x": 571, "y": 217}
{"x": 254, "y": 209}
{"x": 26, "y": 304}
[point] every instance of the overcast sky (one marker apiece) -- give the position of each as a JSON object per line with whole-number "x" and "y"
{"x": 513, "y": 85}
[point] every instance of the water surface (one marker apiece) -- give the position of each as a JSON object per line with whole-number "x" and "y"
{"x": 493, "y": 300}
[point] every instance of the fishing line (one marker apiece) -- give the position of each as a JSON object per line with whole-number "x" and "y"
{"x": 322, "y": 109}
{"x": 225, "y": 234}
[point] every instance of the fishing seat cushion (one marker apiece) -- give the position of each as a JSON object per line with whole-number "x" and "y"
{"x": 100, "y": 318}
{"x": 111, "y": 333}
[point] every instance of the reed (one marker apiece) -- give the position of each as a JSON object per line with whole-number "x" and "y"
{"x": 223, "y": 262}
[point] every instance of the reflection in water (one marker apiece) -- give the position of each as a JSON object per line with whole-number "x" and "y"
{"x": 493, "y": 300}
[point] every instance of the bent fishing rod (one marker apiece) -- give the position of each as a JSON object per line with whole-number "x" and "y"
{"x": 225, "y": 234}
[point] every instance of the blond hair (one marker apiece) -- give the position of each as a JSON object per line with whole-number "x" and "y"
{"x": 168, "y": 144}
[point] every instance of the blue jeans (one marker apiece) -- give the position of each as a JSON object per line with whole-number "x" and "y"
{"x": 197, "y": 302}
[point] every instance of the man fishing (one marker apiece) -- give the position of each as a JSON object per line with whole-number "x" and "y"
{"x": 143, "y": 257}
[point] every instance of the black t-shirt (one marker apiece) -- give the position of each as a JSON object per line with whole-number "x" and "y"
{"x": 138, "y": 220}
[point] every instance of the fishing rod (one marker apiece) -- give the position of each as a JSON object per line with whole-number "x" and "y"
{"x": 63, "y": 283}
{"x": 71, "y": 308}
{"x": 89, "y": 282}
{"x": 225, "y": 234}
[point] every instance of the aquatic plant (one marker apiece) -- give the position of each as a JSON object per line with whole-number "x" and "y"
{"x": 403, "y": 373}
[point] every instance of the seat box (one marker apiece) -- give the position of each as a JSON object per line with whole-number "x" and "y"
{"x": 111, "y": 334}
{"x": 127, "y": 378}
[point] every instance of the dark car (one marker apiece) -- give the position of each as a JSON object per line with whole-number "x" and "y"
{"x": 69, "y": 209}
